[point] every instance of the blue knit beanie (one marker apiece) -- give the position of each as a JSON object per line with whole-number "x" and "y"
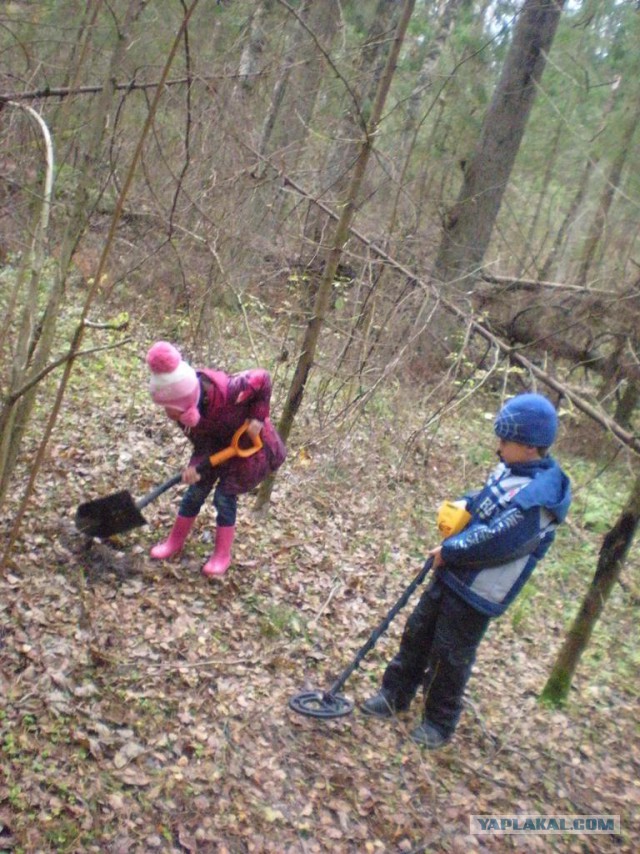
{"x": 529, "y": 419}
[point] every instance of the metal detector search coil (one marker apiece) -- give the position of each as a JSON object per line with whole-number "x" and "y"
{"x": 321, "y": 704}
{"x": 331, "y": 704}
{"x": 452, "y": 518}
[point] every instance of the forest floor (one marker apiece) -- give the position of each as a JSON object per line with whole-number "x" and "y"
{"x": 144, "y": 708}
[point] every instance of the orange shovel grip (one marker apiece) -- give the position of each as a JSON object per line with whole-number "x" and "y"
{"x": 234, "y": 449}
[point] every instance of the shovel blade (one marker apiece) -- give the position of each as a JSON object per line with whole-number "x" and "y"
{"x": 105, "y": 517}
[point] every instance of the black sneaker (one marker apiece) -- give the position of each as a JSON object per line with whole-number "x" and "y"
{"x": 428, "y": 736}
{"x": 380, "y": 706}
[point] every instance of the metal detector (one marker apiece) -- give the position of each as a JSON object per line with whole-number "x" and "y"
{"x": 331, "y": 704}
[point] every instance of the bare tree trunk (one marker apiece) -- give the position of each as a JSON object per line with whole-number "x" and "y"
{"x": 79, "y": 52}
{"x": 426, "y": 178}
{"x": 324, "y": 22}
{"x": 443, "y": 26}
{"x": 134, "y": 10}
{"x": 14, "y": 413}
{"x": 613, "y": 553}
{"x": 37, "y": 338}
{"x": 353, "y": 126}
{"x": 612, "y": 182}
{"x": 325, "y": 288}
{"x": 551, "y": 262}
{"x": 555, "y": 252}
{"x": 627, "y": 404}
{"x": 248, "y": 65}
{"x": 295, "y": 42}
{"x": 524, "y": 262}
{"x": 469, "y": 224}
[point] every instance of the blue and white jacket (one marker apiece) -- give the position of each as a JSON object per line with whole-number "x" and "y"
{"x": 513, "y": 522}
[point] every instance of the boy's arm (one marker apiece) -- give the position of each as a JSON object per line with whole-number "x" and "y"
{"x": 253, "y": 388}
{"x": 469, "y": 496}
{"x": 496, "y": 542}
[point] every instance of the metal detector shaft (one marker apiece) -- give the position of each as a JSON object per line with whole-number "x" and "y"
{"x": 381, "y": 628}
{"x": 330, "y": 704}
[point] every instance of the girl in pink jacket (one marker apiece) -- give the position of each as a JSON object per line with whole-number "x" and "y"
{"x": 209, "y": 406}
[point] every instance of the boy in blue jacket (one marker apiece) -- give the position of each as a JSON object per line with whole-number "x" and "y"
{"x": 479, "y": 571}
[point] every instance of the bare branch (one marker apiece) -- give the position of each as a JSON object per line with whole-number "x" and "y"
{"x": 10, "y": 399}
{"x": 611, "y": 426}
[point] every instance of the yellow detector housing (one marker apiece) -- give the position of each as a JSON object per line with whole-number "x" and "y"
{"x": 452, "y": 518}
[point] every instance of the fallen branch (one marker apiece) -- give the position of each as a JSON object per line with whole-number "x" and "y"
{"x": 536, "y": 285}
{"x": 624, "y": 436}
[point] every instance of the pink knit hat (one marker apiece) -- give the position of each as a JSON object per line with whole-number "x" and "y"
{"x": 174, "y": 383}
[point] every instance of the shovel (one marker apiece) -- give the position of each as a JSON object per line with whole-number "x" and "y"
{"x": 119, "y": 512}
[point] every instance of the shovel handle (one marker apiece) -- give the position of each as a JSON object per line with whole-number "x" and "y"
{"x": 151, "y": 496}
{"x": 234, "y": 449}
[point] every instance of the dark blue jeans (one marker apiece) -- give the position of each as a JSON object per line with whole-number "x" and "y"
{"x": 195, "y": 496}
{"x": 437, "y": 651}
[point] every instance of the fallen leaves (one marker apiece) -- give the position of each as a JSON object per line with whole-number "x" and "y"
{"x": 144, "y": 709}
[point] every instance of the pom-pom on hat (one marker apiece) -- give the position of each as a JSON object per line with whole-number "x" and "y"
{"x": 529, "y": 419}
{"x": 174, "y": 383}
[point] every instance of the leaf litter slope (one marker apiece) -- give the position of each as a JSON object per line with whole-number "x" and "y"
{"x": 146, "y": 709}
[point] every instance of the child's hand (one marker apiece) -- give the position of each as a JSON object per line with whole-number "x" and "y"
{"x": 436, "y": 554}
{"x": 190, "y": 475}
{"x": 254, "y": 428}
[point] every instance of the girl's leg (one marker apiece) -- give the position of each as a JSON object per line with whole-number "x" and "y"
{"x": 226, "y": 507}
{"x": 190, "y": 505}
{"x": 176, "y": 539}
{"x": 195, "y": 496}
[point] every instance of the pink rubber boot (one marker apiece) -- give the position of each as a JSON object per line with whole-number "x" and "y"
{"x": 175, "y": 540}
{"x": 219, "y": 561}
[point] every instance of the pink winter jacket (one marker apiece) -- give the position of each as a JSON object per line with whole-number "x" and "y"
{"x": 226, "y": 403}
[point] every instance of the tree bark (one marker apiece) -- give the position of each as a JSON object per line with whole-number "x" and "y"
{"x": 249, "y": 64}
{"x": 470, "y": 222}
{"x": 628, "y": 404}
{"x": 295, "y": 92}
{"x": 443, "y": 26}
{"x": 294, "y": 45}
{"x": 613, "y": 553}
{"x": 526, "y": 262}
{"x": 551, "y": 262}
{"x": 453, "y": 309}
